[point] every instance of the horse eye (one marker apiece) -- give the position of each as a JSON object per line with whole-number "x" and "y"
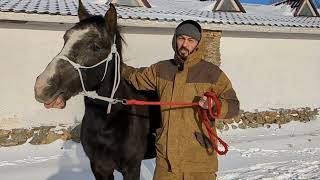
{"x": 96, "y": 47}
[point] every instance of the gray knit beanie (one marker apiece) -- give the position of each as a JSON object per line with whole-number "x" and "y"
{"x": 188, "y": 28}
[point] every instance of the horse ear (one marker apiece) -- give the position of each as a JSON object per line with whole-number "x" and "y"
{"x": 82, "y": 12}
{"x": 111, "y": 19}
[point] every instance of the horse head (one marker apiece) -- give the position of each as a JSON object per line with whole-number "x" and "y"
{"x": 86, "y": 44}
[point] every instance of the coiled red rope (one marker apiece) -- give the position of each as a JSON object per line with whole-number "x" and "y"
{"x": 212, "y": 98}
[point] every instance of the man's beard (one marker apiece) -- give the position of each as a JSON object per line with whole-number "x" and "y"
{"x": 185, "y": 54}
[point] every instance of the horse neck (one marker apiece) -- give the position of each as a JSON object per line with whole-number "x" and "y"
{"x": 106, "y": 86}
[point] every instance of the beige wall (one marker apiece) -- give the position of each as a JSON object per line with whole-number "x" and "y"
{"x": 144, "y": 48}
{"x": 26, "y": 49}
{"x": 24, "y": 54}
{"x": 271, "y": 72}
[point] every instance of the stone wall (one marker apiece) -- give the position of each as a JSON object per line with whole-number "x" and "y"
{"x": 266, "y": 118}
{"x": 212, "y": 43}
{"x": 49, "y": 134}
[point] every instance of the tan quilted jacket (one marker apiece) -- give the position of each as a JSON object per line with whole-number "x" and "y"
{"x": 176, "y": 141}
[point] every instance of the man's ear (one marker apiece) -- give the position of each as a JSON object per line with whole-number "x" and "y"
{"x": 111, "y": 19}
{"x": 82, "y": 12}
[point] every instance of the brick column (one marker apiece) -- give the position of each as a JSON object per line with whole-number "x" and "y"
{"x": 212, "y": 43}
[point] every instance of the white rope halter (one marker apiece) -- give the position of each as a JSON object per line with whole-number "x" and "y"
{"x": 116, "y": 80}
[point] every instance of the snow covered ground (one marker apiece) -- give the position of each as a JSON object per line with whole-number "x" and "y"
{"x": 289, "y": 152}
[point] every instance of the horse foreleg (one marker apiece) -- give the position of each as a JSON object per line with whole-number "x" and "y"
{"x": 133, "y": 173}
{"x": 101, "y": 176}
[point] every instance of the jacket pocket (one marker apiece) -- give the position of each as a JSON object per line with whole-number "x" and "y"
{"x": 195, "y": 152}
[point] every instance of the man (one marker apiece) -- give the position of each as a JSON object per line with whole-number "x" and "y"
{"x": 181, "y": 154}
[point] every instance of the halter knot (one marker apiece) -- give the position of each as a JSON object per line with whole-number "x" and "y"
{"x": 76, "y": 66}
{"x": 114, "y": 48}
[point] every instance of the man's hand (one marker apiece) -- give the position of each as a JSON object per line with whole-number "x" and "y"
{"x": 203, "y": 102}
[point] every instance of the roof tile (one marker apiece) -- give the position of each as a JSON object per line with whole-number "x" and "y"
{"x": 69, "y": 7}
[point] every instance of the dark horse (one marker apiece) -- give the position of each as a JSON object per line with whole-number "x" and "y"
{"x": 116, "y": 141}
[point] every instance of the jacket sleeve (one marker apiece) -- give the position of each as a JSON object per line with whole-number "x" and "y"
{"x": 140, "y": 78}
{"x": 230, "y": 105}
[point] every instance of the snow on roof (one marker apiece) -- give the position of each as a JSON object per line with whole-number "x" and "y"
{"x": 173, "y": 11}
{"x": 269, "y": 10}
{"x": 229, "y": 6}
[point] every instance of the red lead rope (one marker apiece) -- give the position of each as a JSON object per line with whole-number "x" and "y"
{"x": 205, "y": 120}
{"x": 204, "y": 112}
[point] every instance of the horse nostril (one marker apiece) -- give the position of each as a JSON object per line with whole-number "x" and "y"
{"x": 39, "y": 88}
{"x": 45, "y": 92}
{"x": 43, "y": 89}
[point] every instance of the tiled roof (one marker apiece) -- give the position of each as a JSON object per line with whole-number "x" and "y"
{"x": 69, "y": 8}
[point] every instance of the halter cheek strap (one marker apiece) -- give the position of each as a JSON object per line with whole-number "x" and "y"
{"x": 116, "y": 80}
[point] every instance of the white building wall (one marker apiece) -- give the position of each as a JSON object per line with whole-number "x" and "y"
{"x": 273, "y": 70}
{"x": 267, "y": 72}
{"x": 24, "y": 55}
